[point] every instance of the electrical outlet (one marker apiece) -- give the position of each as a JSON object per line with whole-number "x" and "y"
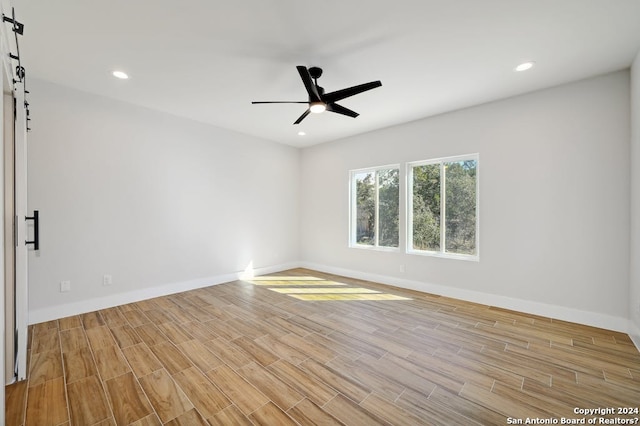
{"x": 65, "y": 286}
{"x": 402, "y": 268}
{"x": 107, "y": 279}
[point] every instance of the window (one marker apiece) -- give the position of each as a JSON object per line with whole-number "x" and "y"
{"x": 375, "y": 207}
{"x": 443, "y": 207}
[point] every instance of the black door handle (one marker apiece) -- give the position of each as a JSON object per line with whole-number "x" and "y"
{"x": 36, "y": 230}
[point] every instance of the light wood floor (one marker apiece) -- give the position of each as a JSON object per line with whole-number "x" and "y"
{"x": 308, "y": 348}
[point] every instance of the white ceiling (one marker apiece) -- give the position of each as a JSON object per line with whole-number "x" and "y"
{"x": 207, "y": 60}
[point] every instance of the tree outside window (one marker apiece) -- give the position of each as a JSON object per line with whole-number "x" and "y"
{"x": 375, "y": 207}
{"x": 443, "y": 200}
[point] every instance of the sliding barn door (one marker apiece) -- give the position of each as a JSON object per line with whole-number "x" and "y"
{"x": 9, "y": 237}
{"x": 15, "y": 229}
{"x": 21, "y": 230}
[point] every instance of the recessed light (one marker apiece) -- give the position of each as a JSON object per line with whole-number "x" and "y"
{"x": 302, "y": 133}
{"x": 120, "y": 74}
{"x": 524, "y": 66}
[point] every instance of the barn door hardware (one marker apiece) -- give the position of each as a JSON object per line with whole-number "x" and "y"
{"x": 36, "y": 230}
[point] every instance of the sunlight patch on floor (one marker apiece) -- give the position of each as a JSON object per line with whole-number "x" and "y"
{"x": 295, "y": 282}
{"x": 317, "y": 289}
{"x": 372, "y": 296}
{"x": 295, "y": 290}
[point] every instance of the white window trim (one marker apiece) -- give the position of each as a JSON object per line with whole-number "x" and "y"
{"x": 352, "y": 209}
{"x": 409, "y": 212}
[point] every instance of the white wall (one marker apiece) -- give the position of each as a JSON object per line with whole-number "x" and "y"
{"x": 554, "y": 202}
{"x": 634, "y": 290}
{"x": 159, "y": 202}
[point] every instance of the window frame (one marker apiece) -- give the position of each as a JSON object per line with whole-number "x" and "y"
{"x": 353, "y": 208}
{"x": 443, "y": 227}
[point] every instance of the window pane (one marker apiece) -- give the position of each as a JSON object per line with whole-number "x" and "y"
{"x": 426, "y": 207}
{"x": 365, "y": 208}
{"x": 388, "y": 207}
{"x": 461, "y": 207}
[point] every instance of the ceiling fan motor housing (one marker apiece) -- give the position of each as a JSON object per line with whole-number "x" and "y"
{"x": 315, "y": 72}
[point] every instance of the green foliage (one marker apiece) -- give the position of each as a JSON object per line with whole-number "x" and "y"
{"x": 388, "y": 207}
{"x": 365, "y": 209}
{"x": 459, "y": 207}
{"x": 426, "y": 207}
{"x": 387, "y": 220}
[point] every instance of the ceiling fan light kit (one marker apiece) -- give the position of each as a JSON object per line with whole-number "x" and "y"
{"x": 319, "y": 101}
{"x": 317, "y": 107}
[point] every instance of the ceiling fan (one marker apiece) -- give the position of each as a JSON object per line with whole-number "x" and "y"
{"x": 320, "y": 101}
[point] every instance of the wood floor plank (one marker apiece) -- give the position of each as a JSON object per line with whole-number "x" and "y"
{"x": 281, "y": 349}
{"x": 279, "y": 392}
{"x": 72, "y": 339}
{"x": 175, "y": 332}
{"x": 45, "y": 340}
{"x": 150, "y": 334}
{"x": 171, "y": 357}
{"x": 166, "y": 397}
{"x": 227, "y": 352}
{"x": 46, "y": 404}
{"x": 466, "y": 408}
{"x": 270, "y": 414}
{"x": 307, "y": 413}
{"x": 200, "y": 331}
{"x": 69, "y": 322}
{"x": 128, "y": 401}
{"x": 78, "y": 364}
{"x": 204, "y": 395}
{"x": 389, "y": 412}
{"x": 508, "y": 406}
{"x": 113, "y": 317}
{"x": 440, "y": 415}
{"x": 92, "y": 319}
{"x": 200, "y": 355}
{"x": 244, "y": 395}
{"x": 87, "y": 401}
{"x": 189, "y": 418}
{"x": 125, "y": 336}
{"x": 256, "y": 352}
{"x": 309, "y": 346}
{"x": 150, "y": 420}
{"x": 369, "y": 378}
{"x": 136, "y": 317}
{"x": 159, "y": 316}
{"x": 15, "y": 402}
{"x": 45, "y": 366}
{"x": 230, "y": 416}
{"x": 110, "y": 362}
{"x": 141, "y": 359}
{"x": 353, "y": 389}
{"x": 99, "y": 337}
{"x": 350, "y": 413}
{"x": 315, "y": 390}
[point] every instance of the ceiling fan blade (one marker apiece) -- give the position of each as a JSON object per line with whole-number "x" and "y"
{"x": 312, "y": 90}
{"x": 304, "y": 114}
{"x": 341, "y": 110}
{"x": 350, "y": 91}
{"x": 280, "y": 102}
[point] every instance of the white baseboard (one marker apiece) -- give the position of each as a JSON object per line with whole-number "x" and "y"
{"x": 60, "y": 311}
{"x": 537, "y": 308}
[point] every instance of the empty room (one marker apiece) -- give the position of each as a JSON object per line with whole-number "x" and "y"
{"x": 277, "y": 212}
